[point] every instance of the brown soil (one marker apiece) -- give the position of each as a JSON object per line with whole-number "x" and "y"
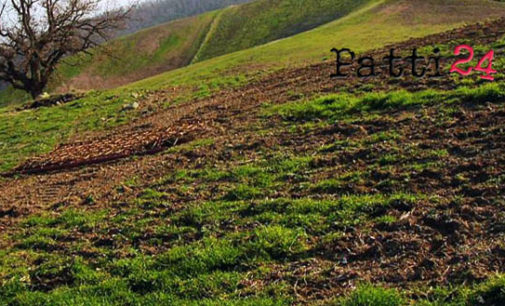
{"x": 434, "y": 242}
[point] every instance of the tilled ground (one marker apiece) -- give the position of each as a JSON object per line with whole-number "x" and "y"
{"x": 451, "y": 157}
{"x": 459, "y": 239}
{"x": 154, "y": 133}
{"x": 452, "y": 154}
{"x": 277, "y": 88}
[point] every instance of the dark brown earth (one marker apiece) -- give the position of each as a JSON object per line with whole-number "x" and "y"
{"x": 51, "y": 101}
{"x": 453, "y": 241}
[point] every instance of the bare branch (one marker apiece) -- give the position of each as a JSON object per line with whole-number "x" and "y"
{"x": 46, "y": 32}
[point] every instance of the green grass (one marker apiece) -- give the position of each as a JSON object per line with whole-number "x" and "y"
{"x": 199, "y": 258}
{"x": 340, "y": 106}
{"x": 206, "y": 250}
{"x": 203, "y": 261}
{"x": 33, "y": 132}
{"x": 11, "y": 96}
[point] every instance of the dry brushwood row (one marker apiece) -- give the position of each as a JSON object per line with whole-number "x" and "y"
{"x": 103, "y": 150}
{"x": 51, "y": 101}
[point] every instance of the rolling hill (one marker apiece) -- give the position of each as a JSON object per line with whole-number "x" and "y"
{"x": 178, "y": 43}
{"x": 137, "y": 56}
{"x": 374, "y": 25}
{"x": 259, "y": 22}
{"x": 192, "y": 40}
{"x": 387, "y": 197}
{"x": 253, "y": 178}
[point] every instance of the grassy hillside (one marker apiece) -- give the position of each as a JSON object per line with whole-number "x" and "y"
{"x": 176, "y": 44}
{"x": 297, "y": 189}
{"x": 127, "y": 59}
{"x": 385, "y": 198}
{"x": 258, "y": 22}
{"x": 137, "y": 56}
{"x": 167, "y": 47}
{"x": 377, "y": 24}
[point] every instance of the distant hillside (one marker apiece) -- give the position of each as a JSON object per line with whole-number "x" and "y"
{"x": 147, "y": 14}
{"x": 154, "y": 12}
{"x": 259, "y": 22}
{"x": 137, "y": 56}
{"x": 176, "y": 44}
{"x": 162, "y": 49}
{"x": 374, "y": 25}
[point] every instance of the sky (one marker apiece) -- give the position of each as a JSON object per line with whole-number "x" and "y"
{"x": 117, "y": 3}
{"x": 105, "y": 5}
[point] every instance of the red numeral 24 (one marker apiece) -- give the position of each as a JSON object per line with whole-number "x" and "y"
{"x": 487, "y": 70}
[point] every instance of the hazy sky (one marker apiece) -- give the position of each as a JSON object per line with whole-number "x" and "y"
{"x": 106, "y": 4}
{"x": 116, "y": 3}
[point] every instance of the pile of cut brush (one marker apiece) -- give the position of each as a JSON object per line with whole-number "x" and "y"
{"x": 109, "y": 148}
{"x": 50, "y": 101}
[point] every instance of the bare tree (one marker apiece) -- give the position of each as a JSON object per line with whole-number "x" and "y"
{"x": 43, "y": 32}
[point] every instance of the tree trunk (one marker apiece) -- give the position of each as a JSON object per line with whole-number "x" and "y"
{"x": 35, "y": 93}
{"x": 36, "y": 89}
